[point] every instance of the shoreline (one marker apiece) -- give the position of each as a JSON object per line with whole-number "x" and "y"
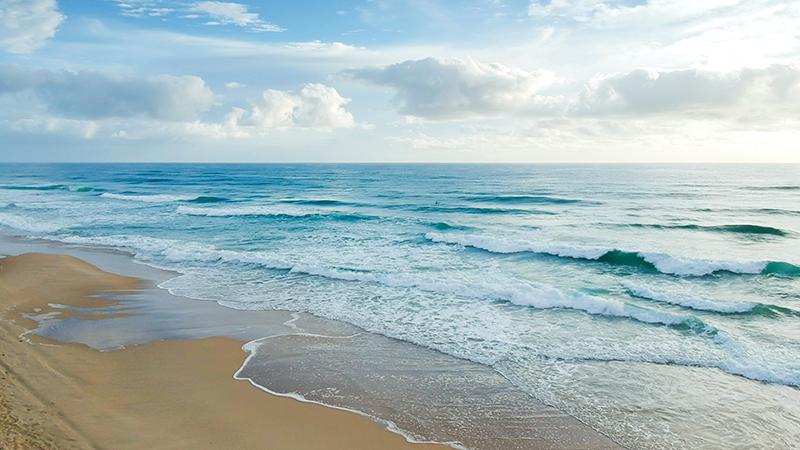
{"x": 523, "y": 422}
{"x": 70, "y": 396}
{"x": 491, "y": 349}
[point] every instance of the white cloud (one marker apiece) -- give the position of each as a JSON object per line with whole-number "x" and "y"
{"x": 313, "y": 106}
{"x": 85, "y": 129}
{"x": 97, "y": 95}
{"x": 617, "y": 35}
{"x": 771, "y": 93}
{"x": 435, "y": 88}
{"x": 234, "y": 85}
{"x": 229, "y": 13}
{"x": 27, "y": 24}
{"x": 92, "y": 104}
{"x": 454, "y": 89}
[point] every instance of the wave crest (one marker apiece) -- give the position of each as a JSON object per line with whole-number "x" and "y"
{"x": 150, "y": 198}
{"x": 522, "y": 199}
{"x": 733, "y": 228}
{"x": 208, "y": 199}
{"x": 689, "y": 301}
{"x": 271, "y": 211}
{"x": 38, "y": 187}
{"x": 660, "y": 262}
{"x": 706, "y": 304}
{"x": 516, "y": 292}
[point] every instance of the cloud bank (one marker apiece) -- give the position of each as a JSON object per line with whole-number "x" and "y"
{"x": 436, "y": 88}
{"x": 756, "y": 92}
{"x": 86, "y": 103}
{"x": 97, "y": 95}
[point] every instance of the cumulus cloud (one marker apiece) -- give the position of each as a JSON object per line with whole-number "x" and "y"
{"x": 229, "y": 13}
{"x": 455, "y": 89}
{"x": 746, "y": 93}
{"x": 97, "y": 95}
{"x": 26, "y": 24}
{"x": 313, "y": 106}
{"x": 90, "y": 104}
{"x": 435, "y": 88}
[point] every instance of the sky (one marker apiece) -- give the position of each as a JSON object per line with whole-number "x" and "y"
{"x": 400, "y": 81}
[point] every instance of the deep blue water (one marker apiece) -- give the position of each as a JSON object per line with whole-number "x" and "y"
{"x": 623, "y": 294}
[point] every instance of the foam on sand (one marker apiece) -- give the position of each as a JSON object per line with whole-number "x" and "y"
{"x": 23, "y": 223}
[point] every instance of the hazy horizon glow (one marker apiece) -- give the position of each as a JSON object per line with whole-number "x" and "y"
{"x": 393, "y": 81}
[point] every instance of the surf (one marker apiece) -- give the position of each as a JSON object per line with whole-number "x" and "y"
{"x": 647, "y": 261}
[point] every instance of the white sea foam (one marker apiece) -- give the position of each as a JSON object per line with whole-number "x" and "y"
{"x": 698, "y": 267}
{"x": 152, "y": 198}
{"x": 23, "y": 223}
{"x": 780, "y": 367}
{"x": 512, "y": 291}
{"x": 688, "y": 300}
{"x": 515, "y": 292}
{"x": 664, "y": 263}
{"x": 504, "y": 245}
{"x": 756, "y": 369}
{"x": 176, "y": 251}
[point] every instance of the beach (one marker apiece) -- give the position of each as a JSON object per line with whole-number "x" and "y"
{"x": 377, "y": 224}
{"x": 484, "y": 307}
{"x": 166, "y": 394}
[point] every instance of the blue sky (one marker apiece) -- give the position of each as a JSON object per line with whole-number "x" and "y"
{"x": 381, "y": 80}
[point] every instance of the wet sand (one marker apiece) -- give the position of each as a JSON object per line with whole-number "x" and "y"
{"x": 165, "y": 394}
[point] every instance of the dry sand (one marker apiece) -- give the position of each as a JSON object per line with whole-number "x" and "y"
{"x": 167, "y": 394}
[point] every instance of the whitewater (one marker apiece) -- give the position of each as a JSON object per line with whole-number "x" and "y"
{"x": 618, "y": 294}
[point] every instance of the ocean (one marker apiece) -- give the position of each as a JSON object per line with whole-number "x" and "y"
{"x": 658, "y": 304}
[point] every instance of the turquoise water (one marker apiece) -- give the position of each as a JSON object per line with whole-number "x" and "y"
{"x": 659, "y": 304}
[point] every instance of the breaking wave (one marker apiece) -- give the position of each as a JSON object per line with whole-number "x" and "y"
{"x": 660, "y": 262}
{"x": 516, "y": 292}
{"x": 706, "y": 304}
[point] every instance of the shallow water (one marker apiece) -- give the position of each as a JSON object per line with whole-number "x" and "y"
{"x": 425, "y": 395}
{"x": 658, "y": 304}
